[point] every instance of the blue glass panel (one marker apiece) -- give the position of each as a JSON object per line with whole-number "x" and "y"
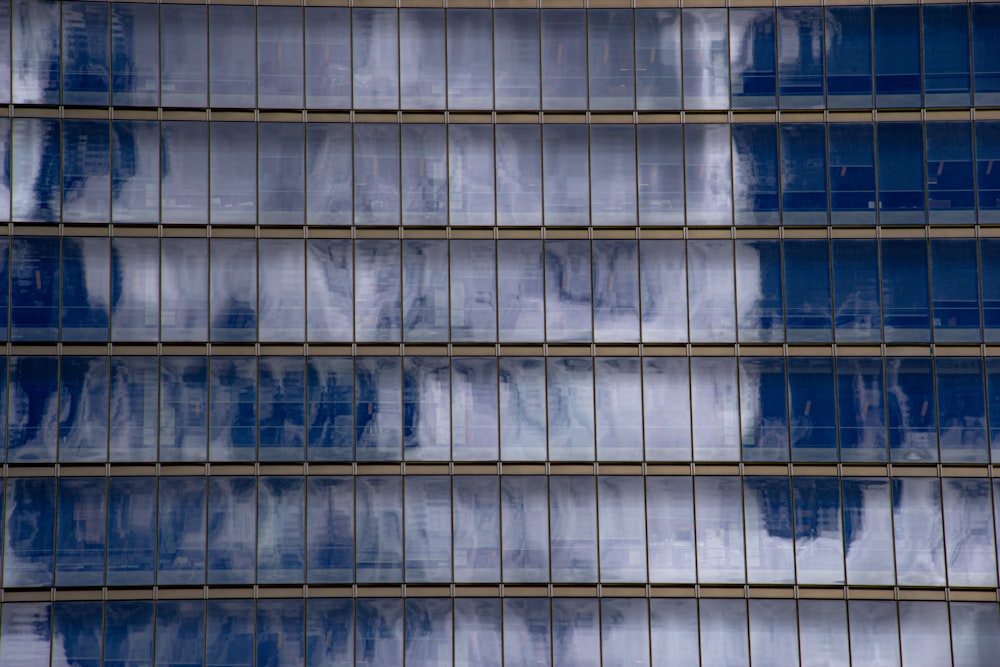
{"x": 612, "y": 178}
{"x": 673, "y": 626}
{"x": 708, "y": 173}
{"x": 768, "y": 516}
{"x": 916, "y": 513}
{"x": 34, "y": 400}
{"x": 848, "y": 57}
{"x": 819, "y": 537}
{"x": 422, "y": 58}
{"x": 711, "y": 290}
{"x": 473, "y": 290}
{"x": 35, "y": 177}
{"x": 26, "y": 634}
{"x": 658, "y": 58}
{"x": 763, "y": 409}
{"x": 181, "y": 536}
{"x": 233, "y": 176}
{"x": 233, "y": 295}
{"x": 282, "y": 290}
{"x": 670, "y": 529}
{"x": 232, "y": 426}
{"x": 425, "y": 290}
{"x": 281, "y": 174}
{"x": 800, "y": 57}
{"x": 905, "y": 299}
{"x": 974, "y": 634}
{"x": 5, "y": 53}
{"x": 616, "y": 291}
{"x": 135, "y": 67}
{"x": 622, "y": 522}
{"x": 664, "y": 301}
{"x": 328, "y": 57}
{"x": 476, "y": 541}
{"x": 376, "y": 173}
{"x": 184, "y": 163}
{"x": 968, "y": 532}
{"x": 128, "y": 633}
{"x": 660, "y": 174}
{"x": 874, "y": 632}
{"x": 330, "y": 538}
{"x": 86, "y": 54}
{"x": 135, "y": 171}
{"x": 949, "y": 172}
{"x": 183, "y": 414}
{"x": 525, "y": 530}
{"x": 375, "y": 63}
{"x": 474, "y": 409}
{"x": 988, "y": 178}
{"x": 852, "y": 173}
{"x": 3, "y": 409}
{"x": 330, "y": 632}
{"x": 83, "y": 409}
{"x": 986, "y": 52}
{"x": 331, "y": 408}
{"x": 862, "y": 409}
{"x": 760, "y": 314}
{"x": 232, "y": 529}
{"x": 993, "y": 391}
{"x": 900, "y": 173}
{"x": 86, "y": 288}
{"x": 519, "y": 175}
{"x": 571, "y": 408}
{"x": 379, "y": 526}
{"x": 924, "y": 633}
{"x": 282, "y": 388}
{"x": 229, "y": 635}
{"x": 520, "y": 290}
{"x": 231, "y": 56}
{"x": 424, "y": 174}
{"x": 610, "y": 48}
{"x": 330, "y": 289}
{"x": 567, "y": 181}
{"x": 576, "y": 636}
{"x": 427, "y": 507}
{"x": 724, "y": 632}
{"x": 380, "y": 633}
{"x": 80, "y": 535}
{"x": 377, "y": 306}
{"x": 131, "y": 540}
{"x": 774, "y": 632}
{"x": 5, "y": 147}
{"x": 526, "y": 632}
{"x": 955, "y": 292}
{"x": 807, "y": 296}
{"x": 279, "y": 53}
{"x": 135, "y": 289}
{"x": 564, "y": 59}
{"x": 706, "y": 58}
{"x": 803, "y": 174}
{"x": 36, "y": 51}
{"x": 618, "y": 401}
{"x": 868, "y": 531}
{"x": 516, "y": 58}
{"x": 29, "y": 528}
{"x": 281, "y": 530}
{"x": 522, "y": 409}
{"x": 812, "y": 408}
{"x": 180, "y": 633}
{"x": 666, "y": 409}
{"x": 568, "y": 291}
{"x": 426, "y": 409}
{"x": 719, "y": 520}
{"x": 471, "y": 198}
{"x": 86, "y": 171}
{"x": 715, "y": 409}
{"x": 478, "y": 639}
{"x": 910, "y": 410}
{"x": 279, "y": 632}
{"x": 329, "y": 173}
{"x": 184, "y": 56}
{"x": 378, "y": 398}
{"x": 625, "y": 632}
{"x": 752, "y": 58}
{"x": 470, "y": 75}
{"x": 823, "y": 633}
{"x": 946, "y": 56}
{"x": 856, "y": 295}
{"x": 755, "y": 174}
{"x": 897, "y": 56}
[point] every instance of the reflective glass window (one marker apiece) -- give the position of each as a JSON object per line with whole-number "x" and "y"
{"x": 868, "y": 531}
{"x": 134, "y": 408}
{"x": 470, "y": 67}
{"x": 379, "y": 525}
{"x": 376, "y": 173}
{"x": 760, "y": 314}
{"x": 32, "y": 418}
{"x": 5, "y": 57}
{"x": 426, "y": 409}
{"x": 724, "y": 632}
{"x": 612, "y": 177}
{"x": 968, "y": 532}
{"x": 800, "y": 57}
{"x": 974, "y": 635}
{"x": 618, "y": 400}
{"x": 823, "y": 633}
{"x": 233, "y": 291}
{"x": 988, "y": 179}
{"x": 566, "y": 174}
{"x": 474, "y": 409}
{"x": 83, "y": 409}
{"x": 86, "y": 171}
{"x": 852, "y": 173}
{"x": 518, "y": 175}
{"x": 658, "y": 58}
{"x": 666, "y": 409}
{"x": 131, "y": 539}
{"x": 422, "y": 58}
{"x": 946, "y": 56}
{"x": 924, "y": 633}
{"x": 183, "y": 289}
{"x": 424, "y": 174}
{"x": 719, "y": 522}
{"x": 660, "y": 174}
{"x": 673, "y": 626}
{"x": 478, "y": 638}
{"x": 564, "y": 59}
{"x": 5, "y": 146}
{"x": 279, "y": 54}
{"x": 807, "y": 293}
{"x": 34, "y": 288}
{"x": 621, "y": 519}
{"x": 232, "y": 529}
{"x": 476, "y": 537}
{"x": 874, "y": 632}
{"x": 281, "y": 174}
{"x": 663, "y": 296}
{"x": 328, "y": 57}
{"x": 900, "y": 173}
{"x": 861, "y": 402}
{"x": 282, "y": 290}
{"x": 135, "y": 289}
{"x": 768, "y": 516}
{"x": 670, "y": 529}
{"x": 180, "y": 632}
{"x": 625, "y": 631}
{"x": 135, "y": 70}
{"x": 573, "y": 513}
{"x": 526, "y": 632}
{"x": 184, "y": 170}
{"x": 516, "y": 58}
{"x": 905, "y": 299}
{"x": 428, "y": 537}
{"x": 715, "y": 409}
{"x": 910, "y": 409}
{"x": 706, "y": 59}
{"x": 774, "y": 632}
{"x": 897, "y": 56}
{"x": 232, "y": 424}
{"x": 525, "y": 530}
{"x": 711, "y": 290}
{"x": 610, "y": 59}
{"x": 752, "y": 58}
{"x": 848, "y": 57}
{"x": 522, "y": 409}
{"x": 231, "y": 57}
{"x": 803, "y": 173}
{"x": 233, "y": 175}
{"x": 378, "y": 408}
{"x": 330, "y": 392}
{"x": 36, "y": 39}
{"x": 993, "y": 392}
{"x": 571, "y": 408}
{"x": 26, "y": 633}
{"x": 985, "y": 53}
{"x": 183, "y": 414}
{"x": 29, "y": 530}
{"x": 86, "y": 54}
{"x": 282, "y": 389}
{"x": 135, "y": 170}
{"x": 708, "y": 173}
{"x": 329, "y": 289}
{"x": 375, "y": 62}
{"x": 763, "y": 409}
{"x": 428, "y": 639}
{"x": 812, "y": 409}
{"x": 950, "y": 195}
{"x": 425, "y": 290}
{"x": 184, "y": 56}
{"x": 576, "y": 635}
{"x": 279, "y": 632}
{"x": 229, "y": 640}
{"x": 473, "y": 290}
{"x": 819, "y": 537}
{"x": 86, "y": 288}
{"x": 961, "y": 408}
{"x": 330, "y": 538}
{"x": 755, "y": 174}
{"x": 377, "y": 305}
{"x": 281, "y": 530}
{"x": 180, "y": 555}
{"x": 128, "y": 632}
{"x": 568, "y": 291}
{"x": 471, "y": 199}
{"x": 857, "y": 305}
{"x": 35, "y": 178}
{"x": 918, "y": 532}
{"x": 330, "y": 632}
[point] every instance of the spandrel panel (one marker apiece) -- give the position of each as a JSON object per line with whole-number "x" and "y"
{"x": 233, "y": 175}
{"x": 526, "y": 632}
{"x": 473, "y": 290}
{"x": 900, "y": 173}
{"x": 897, "y": 56}
{"x": 36, "y": 42}
{"x": 918, "y": 533}
{"x": 874, "y": 632}
{"x": 135, "y": 171}
{"x": 715, "y": 409}
{"x": 576, "y": 634}
{"x": 422, "y": 58}
{"x": 909, "y": 386}
{"x": 708, "y": 174}
{"x": 375, "y": 62}
{"x": 232, "y": 426}
{"x": 660, "y": 174}
{"x": 470, "y": 68}
{"x": 868, "y": 531}
{"x": 711, "y": 291}
{"x": 330, "y": 536}
{"x": 279, "y": 54}
{"x": 329, "y": 289}
{"x": 376, "y": 173}
{"x": 428, "y": 538}
{"x": 961, "y": 408}
{"x": 183, "y": 289}
{"x": 974, "y": 637}
{"x": 719, "y": 521}
{"x": 180, "y": 632}
{"x": 26, "y": 634}
{"x": 475, "y": 404}
{"x": 955, "y": 291}
{"x": 330, "y": 388}
{"x": 763, "y": 409}
{"x": 612, "y": 177}
{"x": 328, "y": 57}
{"x": 905, "y": 298}
{"x": 378, "y": 395}
{"x": 184, "y": 56}
{"x": 803, "y": 174}
{"x": 673, "y": 626}
{"x": 428, "y": 639}
{"x": 281, "y": 530}
{"x": 924, "y": 633}
{"x": 184, "y": 170}
{"x": 478, "y": 639}
{"x": 471, "y": 197}
{"x": 135, "y": 67}
{"x": 755, "y": 174}
{"x": 516, "y": 58}
{"x": 706, "y": 59}
{"x": 181, "y": 535}
{"x": 330, "y": 632}
{"x": 724, "y": 632}
{"x": 812, "y": 409}
{"x": 524, "y": 530}
{"x": 279, "y": 632}
{"x": 571, "y": 409}
{"x": 183, "y": 414}
{"x": 610, "y": 58}
{"x": 233, "y": 290}
{"x": 852, "y": 172}
{"x": 666, "y": 409}
{"x": 519, "y": 175}
{"x": 476, "y": 541}
{"x": 232, "y": 529}
{"x": 950, "y": 195}
{"x": 281, "y": 174}
{"x": 823, "y": 633}
{"x": 83, "y": 409}
{"x": 424, "y": 174}
{"x": 33, "y": 414}
{"x": 968, "y": 532}
{"x": 564, "y": 59}
{"x": 135, "y": 289}
{"x": 662, "y": 290}
{"x": 752, "y": 61}
{"x": 426, "y": 409}
{"x": 425, "y": 290}
{"x": 231, "y": 57}
{"x": 35, "y": 177}
{"x": 621, "y": 520}
{"x": 759, "y": 309}
{"x": 128, "y": 632}
{"x": 86, "y": 289}
{"x": 131, "y": 539}
{"x": 379, "y": 526}
{"x": 800, "y": 57}
{"x": 618, "y": 401}
{"x": 819, "y": 537}
{"x": 520, "y": 287}
{"x": 625, "y": 631}
{"x": 76, "y": 633}
{"x": 658, "y": 58}
{"x": 281, "y": 418}
{"x": 80, "y": 531}
{"x": 946, "y": 56}
{"x": 86, "y": 54}
{"x": 29, "y": 528}
{"x": 774, "y": 632}
{"x": 670, "y": 529}
{"x": 985, "y": 53}
{"x": 848, "y": 47}
{"x": 522, "y": 409}
{"x": 566, "y": 174}
{"x": 768, "y": 516}
{"x": 807, "y": 297}
{"x": 329, "y": 177}
{"x": 229, "y": 633}
{"x": 857, "y": 304}
{"x": 568, "y": 291}
{"x": 282, "y": 290}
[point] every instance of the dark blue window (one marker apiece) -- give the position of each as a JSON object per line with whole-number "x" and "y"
{"x": 232, "y": 502}
{"x": 83, "y": 409}
{"x": 181, "y": 521}
{"x": 331, "y": 408}
{"x": 131, "y": 538}
{"x": 330, "y": 540}
{"x": 763, "y": 409}
{"x": 86, "y": 289}
{"x": 658, "y": 58}
{"x": 752, "y": 58}
{"x": 946, "y": 56}
{"x": 988, "y": 169}
{"x": 135, "y": 54}
{"x": 282, "y": 408}
{"x": 29, "y": 532}
{"x": 950, "y": 186}
{"x": 34, "y": 312}
{"x": 857, "y": 305}
{"x": 900, "y": 173}
{"x": 861, "y": 409}
{"x": 328, "y": 57}
{"x": 800, "y": 59}
{"x": 755, "y": 174}
{"x": 34, "y": 393}
{"x": 955, "y": 289}
{"x": 378, "y": 399}
{"x": 86, "y": 170}
{"x": 76, "y": 632}
{"x": 86, "y": 53}
{"x": 803, "y": 174}
{"x": 233, "y": 409}
{"x": 133, "y": 421}
{"x": 852, "y": 173}
{"x": 180, "y": 632}
{"x": 229, "y": 636}
{"x": 909, "y": 388}
{"x": 961, "y": 408}
{"x": 990, "y": 277}
{"x": 986, "y": 53}
{"x": 128, "y": 632}
{"x": 897, "y": 56}
{"x": 183, "y": 413}
{"x": 905, "y": 299}
{"x": 36, "y": 41}
{"x": 993, "y": 393}
{"x": 808, "y": 304}
{"x": 80, "y": 531}
{"x": 35, "y": 178}
{"x": 135, "y": 171}
{"x": 812, "y": 409}
{"x": 279, "y": 632}
{"x": 848, "y": 57}
{"x": 759, "y": 291}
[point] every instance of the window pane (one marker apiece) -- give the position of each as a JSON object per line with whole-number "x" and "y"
{"x": 625, "y": 631}
{"x": 658, "y": 58}
{"x": 708, "y": 174}
{"x": 664, "y": 300}
{"x": 377, "y": 306}
{"x": 673, "y": 627}
{"x": 427, "y": 505}
{"x": 568, "y": 291}
{"x": 425, "y": 174}
{"x": 282, "y": 408}
{"x": 428, "y": 632}
{"x": 868, "y": 531}
{"x": 376, "y": 173}
{"x": 719, "y": 519}
{"x": 330, "y": 632}
{"x": 823, "y": 633}
{"x": 181, "y": 536}
{"x": 34, "y": 396}
{"x": 807, "y": 295}
{"x": 571, "y": 408}
{"x": 328, "y": 57}
{"x": 616, "y": 291}
{"x": 525, "y": 530}
{"x": 331, "y": 408}
{"x": 183, "y": 413}
{"x": 229, "y": 633}
{"x": 819, "y": 553}
{"x": 905, "y": 299}
{"x": 724, "y": 632}
{"x": 279, "y": 632}
{"x": 619, "y": 409}
{"x": 946, "y": 56}
{"x": 763, "y": 409}
{"x": 564, "y": 59}
{"x": 900, "y": 173}
{"x": 86, "y": 171}
{"x": 986, "y": 53}
{"x": 803, "y": 174}
{"x": 755, "y": 174}
{"x": 379, "y": 530}
{"x": 379, "y": 408}
{"x": 281, "y": 530}
{"x": 29, "y": 528}
{"x": 135, "y": 289}
{"x": 715, "y": 407}
{"x": 573, "y": 512}
{"x": 949, "y": 172}
{"x": 426, "y": 409}
{"x": 711, "y": 292}
{"x": 516, "y": 58}
{"x": 848, "y": 57}
{"x": 961, "y": 407}
{"x": 760, "y": 314}
{"x": 233, "y": 176}
{"x": 610, "y": 42}
{"x": 128, "y": 632}
{"x": 232, "y": 529}
{"x": 282, "y": 290}
{"x": 86, "y": 57}
{"x": 621, "y": 518}
{"x": 425, "y": 290}
{"x": 184, "y": 56}
{"x": 86, "y": 289}
{"x": 376, "y": 72}
{"x": 131, "y": 538}
{"x": 852, "y": 172}
{"x": 279, "y": 53}
{"x": 520, "y": 288}
{"x": 471, "y": 199}
{"x": 917, "y": 525}
{"x": 567, "y": 179}
{"x": 874, "y": 632}
{"x": 80, "y": 531}
{"x": 856, "y": 295}
{"x": 768, "y": 516}
{"x": 329, "y": 176}
{"x": 968, "y": 525}
{"x": 476, "y": 529}
{"x": 774, "y": 632}
{"x": 910, "y": 409}
{"x": 232, "y": 64}
{"x": 706, "y": 59}
{"x": 955, "y": 294}
{"x": 135, "y": 170}
{"x": 473, "y": 291}
{"x": 800, "y": 57}
{"x": 478, "y": 639}
{"x": 661, "y": 174}
{"x": 330, "y": 539}
{"x": 519, "y": 175}
{"x": 281, "y": 174}
{"x": 421, "y": 62}
{"x": 897, "y": 56}
{"x": 83, "y": 409}
{"x": 233, "y": 409}
{"x": 522, "y": 409}
{"x": 752, "y": 58}
{"x": 861, "y": 400}
{"x": 670, "y": 529}
{"x": 474, "y": 409}
{"x": 36, "y": 52}
{"x": 612, "y": 178}
{"x": 184, "y": 150}
{"x": 576, "y": 635}
{"x": 35, "y": 177}
{"x": 666, "y": 409}
{"x": 526, "y": 632}
{"x": 180, "y": 632}
{"x": 233, "y": 290}
{"x": 470, "y": 69}
{"x": 330, "y": 289}
{"x": 812, "y": 409}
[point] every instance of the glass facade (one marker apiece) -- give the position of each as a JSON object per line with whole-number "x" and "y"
{"x": 524, "y": 335}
